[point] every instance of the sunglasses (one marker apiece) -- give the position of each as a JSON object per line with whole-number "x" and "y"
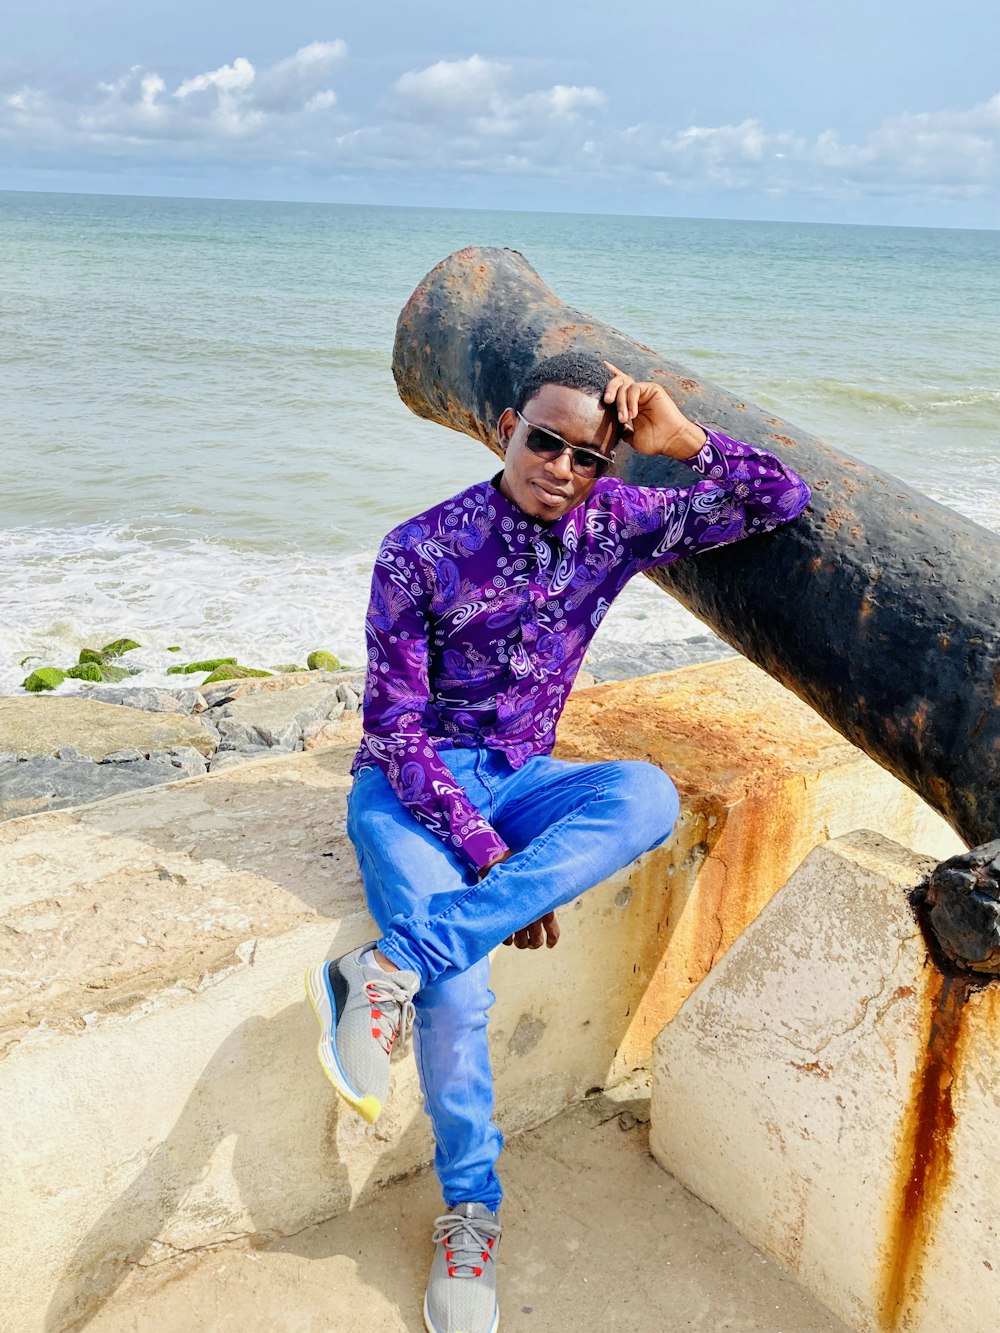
{"x": 548, "y": 445}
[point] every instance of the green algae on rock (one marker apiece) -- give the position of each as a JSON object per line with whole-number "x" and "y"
{"x": 286, "y": 668}
{"x": 119, "y": 647}
{"x": 45, "y": 678}
{"x": 209, "y": 664}
{"x": 88, "y": 670}
{"x": 94, "y": 655}
{"x": 234, "y": 672}
{"x": 322, "y": 661}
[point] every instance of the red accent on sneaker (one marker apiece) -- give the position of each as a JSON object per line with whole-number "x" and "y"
{"x": 451, "y": 1271}
{"x": 478, "y": 1272}
{"x": 376, "y": 1032}
{"x": 486, "y": 1256}
{"x": 448, "y": 1255}
{"x": 376, "y": 1013}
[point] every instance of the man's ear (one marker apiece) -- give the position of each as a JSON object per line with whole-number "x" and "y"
{"x": 506, "y": 427}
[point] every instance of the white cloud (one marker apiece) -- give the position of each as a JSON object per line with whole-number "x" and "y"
{"x": 235, "y": 102}
{"x": 480, "y": 119}
{"x": 453, "y": 89}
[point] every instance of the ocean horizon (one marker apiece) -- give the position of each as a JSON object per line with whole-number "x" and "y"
{"x": 204, "y": 443}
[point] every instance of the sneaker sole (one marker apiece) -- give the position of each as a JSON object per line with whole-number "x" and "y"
{"x": 369, "y": 1108}
{"x": 431, "y": 1328}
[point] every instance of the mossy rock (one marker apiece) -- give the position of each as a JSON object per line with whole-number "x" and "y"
{"x": 93, "y": 655}
{"x": 286, "y": 668}
{"x": 234, "y": 673}
{"x": 208, "y": 665}
{"x": 324, "y": 662}
{"x": 113, "y": 675}
{"x": 86, "y": 671}
{"x": 45, "y": 678}
{"x": 119, "y": 647}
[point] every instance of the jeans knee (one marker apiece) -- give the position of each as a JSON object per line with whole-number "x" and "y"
{"x": 653, "y": 803}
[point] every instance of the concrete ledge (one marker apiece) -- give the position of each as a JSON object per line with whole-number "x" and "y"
{"x": 158, "y": 1084}
{"x": 832, "y": 1095}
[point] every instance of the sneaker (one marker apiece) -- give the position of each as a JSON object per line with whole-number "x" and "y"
{"x": 361, "y": 1011}
{"x": 462, "y": 1289}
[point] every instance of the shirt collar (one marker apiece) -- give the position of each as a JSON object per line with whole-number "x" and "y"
{"x": 564, "y": 532}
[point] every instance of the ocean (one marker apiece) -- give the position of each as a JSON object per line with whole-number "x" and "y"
{"x": 202, "y": 442}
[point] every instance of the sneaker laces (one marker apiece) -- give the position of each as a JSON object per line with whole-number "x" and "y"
{"x": 384, "y": 992}
{"x": 470, "y": 1242}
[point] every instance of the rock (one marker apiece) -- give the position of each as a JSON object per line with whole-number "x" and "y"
{"x": 44, "y": 783}
{"x": 188, "y": 760}
{"x": 192, "y": 701}
{"x": 279, "y": 717}
{"x": 45, "y": 678}
{"x": 345, "y": 730}
{"x": 228, "y": 759}
{"x": 88, "y": 671}
{"x": 119, "y": 647}
{"x": 42, "y": 726}
{"x": 71, "y": 752}
{"x": 188, "y": 668}
{"x": 236, "y": 735}
{"x": 112, "y": 675}
{"x": 92, "y": 655}
{"x": 236, "y": 689}
{"x": 8, "y": 757}
{"x": 233, "y": 673}
{"x": 286, "y": 668}
{"x": 348, "y": 697}
{"x": 123, "y": 757}
{"x": 321, "y": 661}
{"x": 148, "y": 699}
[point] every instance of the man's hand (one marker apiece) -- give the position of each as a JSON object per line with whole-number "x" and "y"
{"x": 652, "y": 421}
{"x": 544, "y": 931}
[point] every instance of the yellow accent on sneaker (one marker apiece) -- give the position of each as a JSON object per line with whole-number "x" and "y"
{"x": 369, "y": 1108}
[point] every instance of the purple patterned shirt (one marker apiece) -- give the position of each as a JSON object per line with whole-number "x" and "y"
{"x": 480, "y": 615}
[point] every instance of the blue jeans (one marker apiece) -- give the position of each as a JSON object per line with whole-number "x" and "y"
{"x": 570, "y": 826}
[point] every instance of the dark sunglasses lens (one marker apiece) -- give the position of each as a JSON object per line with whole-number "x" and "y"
{"x": 586, "y": 462}
{"x": 543, "y": 444}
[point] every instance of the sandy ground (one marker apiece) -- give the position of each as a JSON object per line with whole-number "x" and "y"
{"x": 596, "y": 1238}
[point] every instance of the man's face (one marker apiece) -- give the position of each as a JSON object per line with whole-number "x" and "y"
{"x": 547, "y": 489}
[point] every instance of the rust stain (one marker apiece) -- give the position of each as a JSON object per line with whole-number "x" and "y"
{"x": 924, "y": 1151}
{"x": 813, "y": 1067}
{"x": 786, "y": 440}
{"x": 690, "y": 386}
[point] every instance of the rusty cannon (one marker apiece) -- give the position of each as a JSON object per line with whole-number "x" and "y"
{"x": 888, "y": 622}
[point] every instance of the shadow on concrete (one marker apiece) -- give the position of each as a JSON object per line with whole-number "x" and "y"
{"x": 280, "y": 1199}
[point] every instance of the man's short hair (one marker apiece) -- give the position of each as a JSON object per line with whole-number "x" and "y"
{"x": 571, "y": 370}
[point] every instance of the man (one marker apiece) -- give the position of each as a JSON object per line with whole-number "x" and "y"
{"x": 468, "y": 832}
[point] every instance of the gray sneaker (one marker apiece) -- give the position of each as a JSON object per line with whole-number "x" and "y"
{"x": 462, "y": 1289}
{"x": 361, "y": 1012}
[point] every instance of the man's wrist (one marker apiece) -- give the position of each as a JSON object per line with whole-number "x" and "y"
{"x": 687, "y": 442}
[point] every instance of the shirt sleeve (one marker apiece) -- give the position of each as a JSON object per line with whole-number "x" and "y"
{"x": 744, "y": 490}
{"x": 397, "y": 706}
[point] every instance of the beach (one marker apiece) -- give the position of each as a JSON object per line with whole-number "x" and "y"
{"x": 204, "y": 443}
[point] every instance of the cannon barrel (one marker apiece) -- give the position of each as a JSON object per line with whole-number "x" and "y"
{"x": 878, "y": 607}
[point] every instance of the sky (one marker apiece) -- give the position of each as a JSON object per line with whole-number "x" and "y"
{"x": 864, "y": 111}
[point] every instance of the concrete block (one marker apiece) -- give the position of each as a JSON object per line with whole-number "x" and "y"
{"x": 833, "y": 1095}
{"x": 762, "y": 780}
{"x": 158, "y": 1082}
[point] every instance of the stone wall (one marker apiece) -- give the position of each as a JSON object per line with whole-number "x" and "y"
{"x": 158, "y": 1082}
